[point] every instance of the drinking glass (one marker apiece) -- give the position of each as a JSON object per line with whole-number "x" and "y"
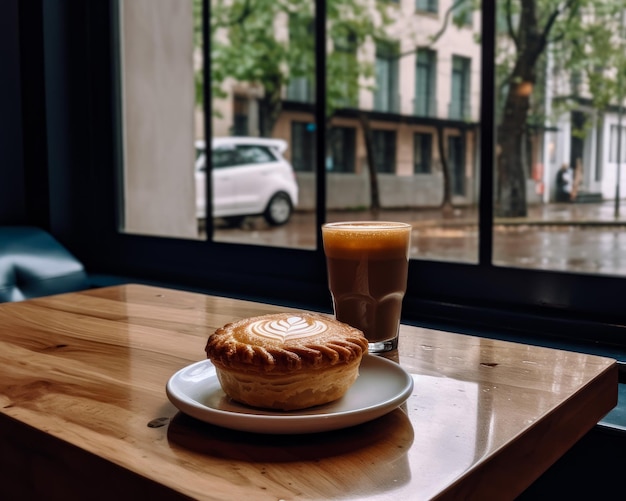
{"x": 367, "y": 264}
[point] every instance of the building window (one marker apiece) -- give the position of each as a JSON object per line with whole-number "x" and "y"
{"x": 422, "y": 153}
{"x": 425, "y": 83}
{"x": 460, "y": 85}
{"x": 342, "y": 144}
{"x": 386, "y": 96}
{"x": 384, "y": 142}
{"x": 617, "y": 144}
{"x": 427, "y": 5}
{"x": 343, "y": 65}
{"x": 300, "y": 87}
{"x": 456, "y": 161}
{"x": 462, "y": 12}
{"x": 303, "y": 146}
{"x": 240, "y": 116}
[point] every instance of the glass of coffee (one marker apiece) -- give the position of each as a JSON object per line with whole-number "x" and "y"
{"x": 368, "y": 265}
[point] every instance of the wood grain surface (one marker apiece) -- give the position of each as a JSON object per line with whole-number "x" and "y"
{"x": 83, "y": 411}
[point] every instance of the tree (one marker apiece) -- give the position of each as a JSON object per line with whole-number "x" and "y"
{"x": 248, "y": 46}
{"x": 579, "y": 37}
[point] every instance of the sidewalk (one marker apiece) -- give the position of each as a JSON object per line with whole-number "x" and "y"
{"x": 599, "y": 214}
{"x": 552, "y": 214}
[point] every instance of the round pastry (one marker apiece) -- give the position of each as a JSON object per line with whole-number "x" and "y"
{"x": 286, "y": 361}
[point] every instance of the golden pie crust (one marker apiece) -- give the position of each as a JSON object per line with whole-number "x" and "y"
{"x": 286, "y": 360}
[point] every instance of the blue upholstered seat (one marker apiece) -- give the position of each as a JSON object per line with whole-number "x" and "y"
{"x": 33, "y": 264}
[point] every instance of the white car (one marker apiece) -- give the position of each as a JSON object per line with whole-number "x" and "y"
{"x": 250, "y": 178}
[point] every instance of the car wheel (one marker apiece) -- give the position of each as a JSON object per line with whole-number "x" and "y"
{"x": 234, "y": 221}
{"x": 278, "y": 209}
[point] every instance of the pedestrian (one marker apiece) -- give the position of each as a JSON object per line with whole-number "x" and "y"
{"x": 564, "y": 182}
{"x": 577, "y": 179}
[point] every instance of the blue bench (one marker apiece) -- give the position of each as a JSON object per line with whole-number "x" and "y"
{"x": 33, "y": 264}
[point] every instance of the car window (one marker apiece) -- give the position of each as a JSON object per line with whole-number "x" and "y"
{"x": 201, "y": 162}
{"x": 252, "y": 154}
{"x": 223, "y": 157}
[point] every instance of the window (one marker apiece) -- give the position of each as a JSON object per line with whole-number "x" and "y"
{"x": 385, "y": 148}
{"x": 266, "y": 56}
{"x": 344, "y": 69}
{"x": 422, "y": 153}
{"x": 456, "y": 153}
{"x": 240, "y": 117}
{"x": 617, "y": 148}
{"x": 342, "y": 149}
{"x": 462, "y": 12}
{"x": 460, "y": 83}
{"x": 427, "y": 5}
{"x": 518, "y": 270}
{"x": 303, "y": 146}
{"x": 300, "y": 89}
{"x": 241, "y": 155}
{"x": 300, "y": 86}
{"x": 425, "y": 83}
{"x": 386, "y": 93}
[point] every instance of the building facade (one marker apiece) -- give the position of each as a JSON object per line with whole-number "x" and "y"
{"x": 421, "y": 102}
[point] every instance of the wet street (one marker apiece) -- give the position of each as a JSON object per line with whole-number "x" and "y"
{"x": 584, "y": 238}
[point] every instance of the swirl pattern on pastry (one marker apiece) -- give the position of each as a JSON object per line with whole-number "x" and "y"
{"x": 281, "y": 342}
{"x": 287, "y": 328}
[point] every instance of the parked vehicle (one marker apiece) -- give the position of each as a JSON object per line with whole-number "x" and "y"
{"x": 250, "y": 178}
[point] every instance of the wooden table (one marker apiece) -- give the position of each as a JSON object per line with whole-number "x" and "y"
{"x": 84, "y": 414}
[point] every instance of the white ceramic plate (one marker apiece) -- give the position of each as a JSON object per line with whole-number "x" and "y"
{"x": 382, "y": 386}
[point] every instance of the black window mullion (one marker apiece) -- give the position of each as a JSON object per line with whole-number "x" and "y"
{"x": 208, "y": 112}
{"x": 33, "y": 83}
{"x": 320, "y": 117}
{"x": 487, "y": 134}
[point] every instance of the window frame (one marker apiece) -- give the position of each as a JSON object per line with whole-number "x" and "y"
{"x": 422, "y": 152}
{"x": 617, "y": 142}
{"x": 300, "y": 89}
{"x": 460, "y": 93}
{"x": 387, "y": 71}
{"x": 386, "y": 150}
{"x": 425, "y": 82}
{"x": 83, "y": 161}
{"x": 345, "y": 47}
{"x": 347, "y": 159}
{"x": 302, "y": 150}
{"x": 430, "y": 6}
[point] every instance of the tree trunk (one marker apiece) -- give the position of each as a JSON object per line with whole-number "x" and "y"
{"x": 446, "y": 202}
{"x": 371, "y": 164}
{"x": 511, "y": 194}
{"x": 511, "y": 174}
{"x": 271, "y": 107}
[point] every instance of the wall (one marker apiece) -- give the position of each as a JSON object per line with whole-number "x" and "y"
{"x": 158, "y": 96}
{"x": 352, "y": 191}
{"x": 12, "y": 196}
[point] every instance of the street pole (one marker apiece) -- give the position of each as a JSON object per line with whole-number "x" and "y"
{"x": 620, "y": 113}
{"x": 619, "y": 158}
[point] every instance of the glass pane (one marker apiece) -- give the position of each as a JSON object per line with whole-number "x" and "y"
{"x": 263, "y": 89}
{"x": 261, "y": 164}
{"x": 263, "y": 109}
{"x": 425, "y": 83}
{"x": 159, "y": 103}
{"x": 409, "y": 160}
{"x": 560, "y": 138}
